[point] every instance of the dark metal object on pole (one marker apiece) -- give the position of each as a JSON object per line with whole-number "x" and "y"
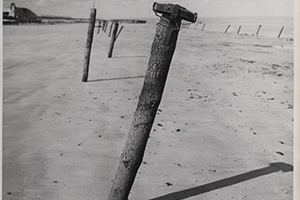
{"x": 258, "y": 30}
{"x": 227, "y": 28}
{"x": 88, "y": 47}
{"x": 162, "y": 51}
{"x": 281, "y": 30}
{"x": 113, "y": 39}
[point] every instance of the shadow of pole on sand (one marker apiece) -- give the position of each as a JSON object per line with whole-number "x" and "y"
{"x": 118, "y": 78}
{"x": 183, "y": 194}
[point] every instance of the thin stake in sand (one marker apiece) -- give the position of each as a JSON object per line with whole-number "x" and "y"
{"x": 227, "y": 28}
{"x": 240, "y": 27}
{"x": 203, "y": 27}
{"x": 280, "y": 32}
{"x": 162, "y": 51}
{"x": 258, "y": 30}
{"x": 88, "y": 46}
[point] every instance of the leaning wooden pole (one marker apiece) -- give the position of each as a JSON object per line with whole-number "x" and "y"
{"x": 113, "y": 39}
{"x": 162, "y": 51}
{"x": 280, "y": 32}
{"x": 88, "y": 46}
{"x": 258, "y": 30}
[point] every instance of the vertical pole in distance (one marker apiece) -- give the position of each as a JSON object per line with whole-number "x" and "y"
{"x": 88, "y": 46}
{"x": 105, "y": 27}
{"x": 110, "y": 28}
{"x": 227, "y": 28}
{"x": 162, "y": 51}
{"x": 203, "y": 27}
{"x": 113, "y": 39}
{"x": 99, "y": 26}
{"x": 238, "y": 32}
{"x": 281, "y": 30}
{"x": 258, "y": 30}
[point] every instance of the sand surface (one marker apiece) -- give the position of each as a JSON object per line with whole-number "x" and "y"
{"x": 225, "y": 116}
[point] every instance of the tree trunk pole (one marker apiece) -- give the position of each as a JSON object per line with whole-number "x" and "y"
{"x": 162, "y": 51}
{"x": 258, "y": 30}
{"x": 238, "y": 32}
{"x": 88, "y": 47}
{"x": 281, "y": 30}
{"x": 113, "y": 39}
{"x": 227, "y": 28}
{"x": 203, "y": 27}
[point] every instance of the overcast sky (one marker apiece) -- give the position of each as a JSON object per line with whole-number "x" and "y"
{"x": 142, "y": 8}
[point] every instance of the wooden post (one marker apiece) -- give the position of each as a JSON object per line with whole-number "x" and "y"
{"x": 88, "y": 46}
{"x": 227, "y": 28}
{"x": 238, "y": 32}
{"x": 281, "y": 30}
{"x": 203, "y": 27}
{"x": 258, "y": 30}
{"x": 110, "y": 28}
{"x": 113, "y": 39}
{"x": 162, "y": 51}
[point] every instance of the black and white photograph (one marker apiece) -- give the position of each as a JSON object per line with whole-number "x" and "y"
{"x": 148, "y": 99}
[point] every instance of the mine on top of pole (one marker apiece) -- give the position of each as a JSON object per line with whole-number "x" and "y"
{"x": 162, "y": 51}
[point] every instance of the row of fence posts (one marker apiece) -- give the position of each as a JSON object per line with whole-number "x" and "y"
{"x": 114, "y": 33}
{"x": 238, "y": 31}
{"x": 162, "y": 51}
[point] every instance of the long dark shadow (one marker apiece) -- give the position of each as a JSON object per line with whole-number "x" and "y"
{"x": 117, "y": 78}
{"x": 130, "y": 56}
{"x": 273, "y": 167}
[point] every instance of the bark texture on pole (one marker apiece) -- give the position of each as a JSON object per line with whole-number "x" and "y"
{"x": 258, "y": 30}
{"x": 113, "y": 39}
{"x": 280, "y": 32}
{"x": 88, "y": 47}
{"x": 162, "y": 51}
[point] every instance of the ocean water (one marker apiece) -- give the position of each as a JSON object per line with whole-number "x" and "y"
{"x": 270, "y": 26}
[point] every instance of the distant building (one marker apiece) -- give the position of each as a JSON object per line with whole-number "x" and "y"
{"x": 19, "y": 14}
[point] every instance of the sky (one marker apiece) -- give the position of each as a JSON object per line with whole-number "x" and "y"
{"x": 143, "y": 8}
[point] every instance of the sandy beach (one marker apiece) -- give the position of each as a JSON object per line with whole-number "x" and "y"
{"x": 225, "y": 118}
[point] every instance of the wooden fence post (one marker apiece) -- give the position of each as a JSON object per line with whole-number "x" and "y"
{"x": 258, "y": 30}
{"x": 88, "y": 46}
{"x": 238, "y": 32}
{"x": 113, "y": 39}
{"x": 162, "y": 51}
{"x": 281, "y": 30}
{"x": 227, "y": 28}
